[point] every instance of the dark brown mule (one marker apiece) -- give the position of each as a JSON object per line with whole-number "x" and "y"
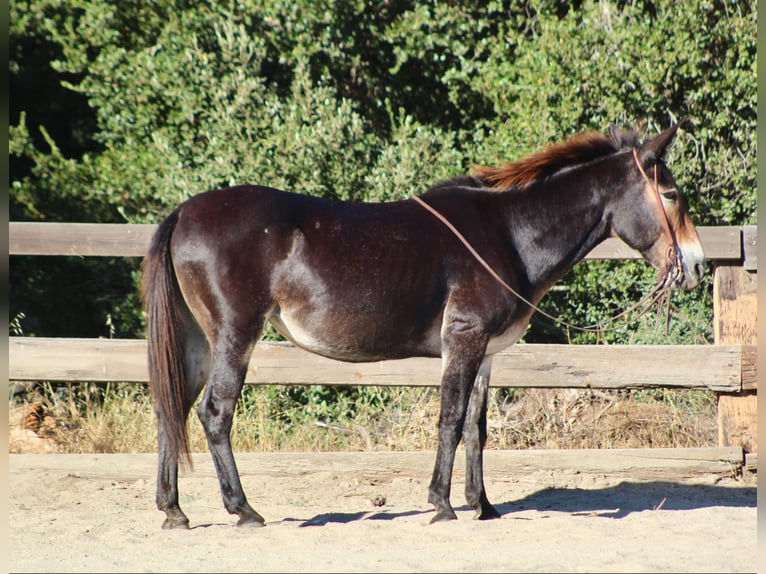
{"x": 367, "y": 282}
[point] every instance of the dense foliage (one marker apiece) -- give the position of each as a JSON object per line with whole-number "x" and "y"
{"x": 121, "y": 110}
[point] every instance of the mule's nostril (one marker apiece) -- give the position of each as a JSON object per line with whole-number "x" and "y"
{"x": 699, "y": 269}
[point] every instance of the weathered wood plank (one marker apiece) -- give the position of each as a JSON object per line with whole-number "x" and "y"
{"x": 132, "y": 240}
{"x": 84, "y": 239}
{"x": 619, "y": 366}
{"x": 750, "y": 247}
{"x": 716, "y": 367}
{"x": 634, "y": 464}
{"x": 735, "y": 310}
{"x": 749, "y": 367}
{"x": 60, "y": 359}
{"x": 718, "y": 243}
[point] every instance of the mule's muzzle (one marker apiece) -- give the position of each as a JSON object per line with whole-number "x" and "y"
{"x": 688, "y": 271}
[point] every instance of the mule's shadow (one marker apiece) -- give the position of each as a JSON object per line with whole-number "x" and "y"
{"x": 613, "y": 502}
{"x": 346, "y": 517}
{"x": 627, "y": 497}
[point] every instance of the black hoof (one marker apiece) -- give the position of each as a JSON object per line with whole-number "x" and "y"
{"x": 175, "y": 519}
{"x": 486, "y": 513}
{"x": 176, "y": 523}
{"x": 251, "y": 521}
{"x": 444, "y": 515}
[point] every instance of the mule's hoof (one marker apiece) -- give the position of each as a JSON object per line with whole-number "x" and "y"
{"x": 175, "y": 519}
{"x": 443, "y": 516}
{"x": 487, "y": 513}
{"x": 176, "y": 523}
{"x": 256, "y": 521}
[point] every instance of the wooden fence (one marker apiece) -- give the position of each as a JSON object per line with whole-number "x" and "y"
{"x": 728, "y": 367}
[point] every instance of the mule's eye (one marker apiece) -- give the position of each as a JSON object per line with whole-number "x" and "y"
{"x": 670, "y": 195}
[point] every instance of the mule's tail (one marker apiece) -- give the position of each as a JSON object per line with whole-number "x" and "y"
{"x": 167, "y": 376}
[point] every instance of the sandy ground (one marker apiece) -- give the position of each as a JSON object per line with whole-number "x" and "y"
{"x": 353, "y": 512}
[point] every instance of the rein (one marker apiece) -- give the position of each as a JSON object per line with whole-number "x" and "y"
{"x": 669, "y": 273}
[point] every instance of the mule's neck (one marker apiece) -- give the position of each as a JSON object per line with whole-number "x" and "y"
{"x": 557, "y": 222}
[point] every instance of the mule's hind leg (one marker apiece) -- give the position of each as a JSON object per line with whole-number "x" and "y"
{"x": 474, "y": 438}
{"x": 216, "y": 411}
{"x": 167, "y": 486}
{"x": 196, "y": 361}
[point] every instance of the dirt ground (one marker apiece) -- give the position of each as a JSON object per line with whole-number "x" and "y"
{"x": 562, "y": 511}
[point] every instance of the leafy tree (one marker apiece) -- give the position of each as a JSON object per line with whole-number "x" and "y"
{"x": 147, "y": 103}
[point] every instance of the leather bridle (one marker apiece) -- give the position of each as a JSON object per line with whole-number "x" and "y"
{"x": 673, "y": 255}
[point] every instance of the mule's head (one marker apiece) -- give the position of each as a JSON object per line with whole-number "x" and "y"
{"x": 651, "y": 215}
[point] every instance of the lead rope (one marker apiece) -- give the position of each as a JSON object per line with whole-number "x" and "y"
{"x": 673, "y": 257}
{"x": 652, "y": 297}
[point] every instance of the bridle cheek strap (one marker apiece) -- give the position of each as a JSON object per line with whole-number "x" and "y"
{"x": 672, "y": 258}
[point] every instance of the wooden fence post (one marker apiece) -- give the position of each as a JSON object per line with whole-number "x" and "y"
{"x": 735, "y": 307}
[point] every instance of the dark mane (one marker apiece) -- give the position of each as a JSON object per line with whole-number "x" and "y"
{"x": 579, "y": 149}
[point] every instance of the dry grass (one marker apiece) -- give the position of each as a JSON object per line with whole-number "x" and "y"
{"x": 570, "y": 418}
{"x": 83, "y": 418}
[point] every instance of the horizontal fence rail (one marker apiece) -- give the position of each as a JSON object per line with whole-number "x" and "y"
{"x": 132, "y": 240}
{"x": 722, "y": 368}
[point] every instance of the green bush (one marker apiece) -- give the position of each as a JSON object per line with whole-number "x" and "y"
{"x": 147, "y": 103}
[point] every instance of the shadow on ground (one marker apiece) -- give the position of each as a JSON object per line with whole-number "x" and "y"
{"x": 627, "y": 497}
{"x": 614, "y": 502}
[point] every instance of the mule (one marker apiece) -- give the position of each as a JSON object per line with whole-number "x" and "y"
{"x": 368, "y": 282}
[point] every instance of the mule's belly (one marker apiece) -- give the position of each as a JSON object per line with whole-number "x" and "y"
{"x": 505, "y": 340}
{"x": 371, "y": 340}
{"x": 353, "y": 341}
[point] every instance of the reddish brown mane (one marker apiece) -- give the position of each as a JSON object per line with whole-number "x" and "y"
{"x": 579, "y": 149}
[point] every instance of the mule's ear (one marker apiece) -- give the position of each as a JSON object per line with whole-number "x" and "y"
{"x": 656, "y": 147}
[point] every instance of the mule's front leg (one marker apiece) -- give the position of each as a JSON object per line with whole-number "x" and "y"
{"x": 459, "y": 372}
{"x": 474, "y": 438}
{"x": 216, "y": 412}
